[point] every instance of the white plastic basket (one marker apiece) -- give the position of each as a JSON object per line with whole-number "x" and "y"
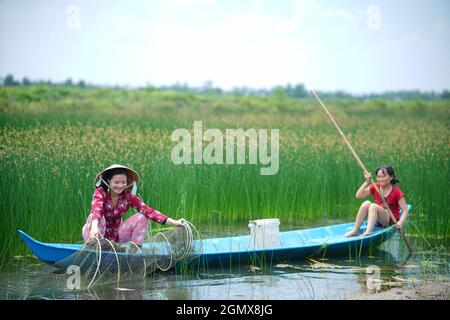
{"x": 265, "y": 233}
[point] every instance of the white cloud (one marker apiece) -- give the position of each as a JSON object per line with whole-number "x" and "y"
{"x": 292, "y": 24}
{"x": 288, "y": 25}
{"x": 257, "y": 4}
{"x": 299, "y": 5}
{"x": 181, "y": 4}
{"x": 246, "y": 25}
{"x": 340, "y": 13}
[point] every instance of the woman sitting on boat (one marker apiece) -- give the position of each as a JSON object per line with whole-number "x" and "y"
{"x": 377, "y": 214}
{"x": 111, "y": 200}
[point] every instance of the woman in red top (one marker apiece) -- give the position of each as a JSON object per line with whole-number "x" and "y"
{"x": 111, "y": 201}
{"x": 376, "y": 211}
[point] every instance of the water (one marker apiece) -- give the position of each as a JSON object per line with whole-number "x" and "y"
{"x": 334, "y": 278}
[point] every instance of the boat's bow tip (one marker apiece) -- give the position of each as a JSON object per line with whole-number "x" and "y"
{"x": 25, "y": 236}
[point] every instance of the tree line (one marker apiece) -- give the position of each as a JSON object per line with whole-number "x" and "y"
{"x": 289, "y": 90}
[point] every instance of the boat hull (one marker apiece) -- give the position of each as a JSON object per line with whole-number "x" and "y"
{"x": 298, "y": 244}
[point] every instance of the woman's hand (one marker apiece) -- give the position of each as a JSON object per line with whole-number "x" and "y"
{"x": 364, "y": 190}
{"x": 367, "y": 177}
{"x": 404, "y": 216}
{"x": 175, "y": 223}
{"x": 180, "y": 222}
{"x": 95, "y": 232}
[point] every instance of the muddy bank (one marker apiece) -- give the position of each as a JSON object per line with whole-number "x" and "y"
{"x": 436, "y": 290}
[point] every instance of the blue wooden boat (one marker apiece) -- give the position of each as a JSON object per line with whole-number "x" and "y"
{"x": 297, "y": 244}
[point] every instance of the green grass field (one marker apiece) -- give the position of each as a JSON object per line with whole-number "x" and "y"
{"x": 54, "y": 141}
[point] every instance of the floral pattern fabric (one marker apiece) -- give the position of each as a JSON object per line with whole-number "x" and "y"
{"x": 109, "y": 216}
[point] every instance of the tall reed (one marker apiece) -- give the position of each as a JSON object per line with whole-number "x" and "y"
{"x": 54, "y": 141}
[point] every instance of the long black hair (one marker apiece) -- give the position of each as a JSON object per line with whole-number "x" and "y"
{"x": 387, "y": 169}
{"x": 111, "y": 173}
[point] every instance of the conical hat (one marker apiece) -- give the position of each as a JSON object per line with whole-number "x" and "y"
{"x": 131, "y": 174}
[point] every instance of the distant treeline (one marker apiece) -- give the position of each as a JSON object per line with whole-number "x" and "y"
{"x": 10, "y": 81}
{"x": 294, "y": 91}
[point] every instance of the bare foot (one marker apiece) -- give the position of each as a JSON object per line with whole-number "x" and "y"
{"x": 351, "y": 233}
{"x": 366, "y": 234}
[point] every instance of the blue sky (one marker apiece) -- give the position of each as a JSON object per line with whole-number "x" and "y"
{"x": 356, "y": 46}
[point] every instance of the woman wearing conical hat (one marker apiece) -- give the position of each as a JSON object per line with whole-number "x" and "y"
{"x": 112, "y": 199}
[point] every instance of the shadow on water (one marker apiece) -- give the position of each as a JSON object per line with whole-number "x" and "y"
{"x": 316, "y": 278}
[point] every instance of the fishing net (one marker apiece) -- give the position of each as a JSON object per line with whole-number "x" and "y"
{"x": 104, "y": 261}
{"x": 170, "y": 247}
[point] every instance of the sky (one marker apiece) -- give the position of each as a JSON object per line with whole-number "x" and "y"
{"x": 356, "y": 46}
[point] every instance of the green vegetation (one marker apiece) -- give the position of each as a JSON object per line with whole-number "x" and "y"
{"x": 54, "y": 139}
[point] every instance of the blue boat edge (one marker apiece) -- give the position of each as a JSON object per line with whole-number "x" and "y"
{"x": 46, "y": 252}
{"x": 51, "y": 253}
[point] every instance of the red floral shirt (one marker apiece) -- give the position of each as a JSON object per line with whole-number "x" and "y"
{"x": 102, "y": 206}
